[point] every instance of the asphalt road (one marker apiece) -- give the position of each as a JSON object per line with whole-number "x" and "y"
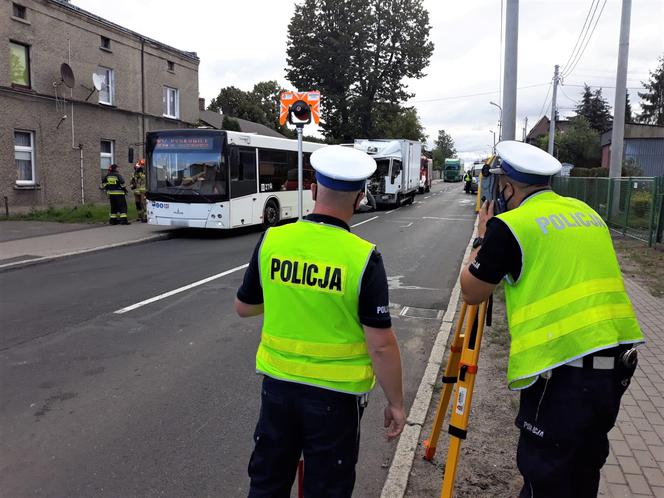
{"x": 162, "y": 400}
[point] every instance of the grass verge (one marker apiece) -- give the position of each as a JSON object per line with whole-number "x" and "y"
{"x": 89, "y": 213}
{"x": 643, "y": 263}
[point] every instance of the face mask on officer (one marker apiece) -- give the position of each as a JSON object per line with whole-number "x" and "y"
{"x": 501, "y": 200}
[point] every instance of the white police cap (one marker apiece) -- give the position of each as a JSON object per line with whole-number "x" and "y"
{"x": 342, "y": 168}
{"x": 525, "y": 163}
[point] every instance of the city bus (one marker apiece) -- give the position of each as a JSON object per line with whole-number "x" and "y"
{"x": 452, "y": 170}
{"x": 205, "y": 178}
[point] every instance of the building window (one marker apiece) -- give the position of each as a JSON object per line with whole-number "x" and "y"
{"x": 171, "y": 66}
{"x": 19, "y": 11}
{"x": 105, "y": 43}
{"x": 106, "y": 151}
{"x": 19, "y": 64}
{"x": 24, "y": 153}
{"x": 171, "y": 102}
{"x": 107, "y": 92}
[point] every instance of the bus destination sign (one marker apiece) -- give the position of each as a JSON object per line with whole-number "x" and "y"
{"x": 184, "y": 143}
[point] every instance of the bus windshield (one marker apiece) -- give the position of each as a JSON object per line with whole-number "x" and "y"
{"x": 187, "y": 166}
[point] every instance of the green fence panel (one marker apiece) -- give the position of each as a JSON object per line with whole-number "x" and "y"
{"x": 633, "y": 206}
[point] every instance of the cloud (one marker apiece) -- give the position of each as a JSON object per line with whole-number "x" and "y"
{"x": 241, "y": 43}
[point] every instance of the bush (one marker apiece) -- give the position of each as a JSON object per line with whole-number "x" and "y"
{"x": 589, "y": 172}
{"x": 640, "y": 203}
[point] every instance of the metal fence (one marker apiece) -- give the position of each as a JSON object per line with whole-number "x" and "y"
{"x": 633, "y": 206}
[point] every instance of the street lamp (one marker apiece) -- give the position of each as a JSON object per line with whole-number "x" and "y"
{"x": 500, "y": 121}
{"x": 494, "y": 140}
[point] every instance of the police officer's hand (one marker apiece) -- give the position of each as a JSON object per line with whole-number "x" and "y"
{"x": 395, "y": 420}
{"x": 486, "y": 213}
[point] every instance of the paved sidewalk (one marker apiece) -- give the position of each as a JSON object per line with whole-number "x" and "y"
{"x": 635, "y": 466}
{"x": 28, "y": 250}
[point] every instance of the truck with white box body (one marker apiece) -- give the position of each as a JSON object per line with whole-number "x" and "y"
{"x": 397, "y": 176}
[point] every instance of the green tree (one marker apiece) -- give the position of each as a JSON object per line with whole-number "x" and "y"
{"x": 395, "y": 121}
{"x": 260, "y": 105}
{"x": 652, "y": 99}
{"x": 629, "y": 118}
{"x": 443, "y": 149}
{"x": 230, "y": 124}
{"x": 358, "y": 53}
{"x": 578, "y": 145}
{"x": 595, "y": 109}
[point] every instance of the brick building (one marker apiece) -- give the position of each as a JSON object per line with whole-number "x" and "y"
{"x": 55, "y": 140}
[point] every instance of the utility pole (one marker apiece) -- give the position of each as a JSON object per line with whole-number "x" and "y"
{"x": 510, "y": 72}
{"x": 618, "y": 132}
{"x": 525, "y": 129}
{"x": 552, "y": 122}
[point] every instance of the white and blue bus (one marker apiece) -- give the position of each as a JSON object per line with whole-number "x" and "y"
{"x": 206, "y": 178}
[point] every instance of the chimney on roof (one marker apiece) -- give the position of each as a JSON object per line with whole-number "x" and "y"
{"x": 201, "y": 104}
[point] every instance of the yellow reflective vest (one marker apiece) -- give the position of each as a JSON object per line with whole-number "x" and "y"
{"x": 311, "y": 275}
{"x": 569, "y": 299}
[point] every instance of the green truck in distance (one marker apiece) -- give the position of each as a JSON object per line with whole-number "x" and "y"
{"x": 453, "y": 170}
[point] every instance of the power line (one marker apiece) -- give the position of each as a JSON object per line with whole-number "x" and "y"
{"x": 473, "y": 94}
{"x": 580, "y": 55}
{"x": 568, "y": 97}
{"x": 546, "y": 99}
{"x": 578, "y": 38}
{"x": 604, "y": 86}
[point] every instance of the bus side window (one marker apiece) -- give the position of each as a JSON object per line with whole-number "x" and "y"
{"x": 243, "y": 173}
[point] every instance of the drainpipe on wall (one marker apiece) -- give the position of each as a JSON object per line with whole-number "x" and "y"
{"x": 73, "y": 135}
{"x": 142, "y": 137}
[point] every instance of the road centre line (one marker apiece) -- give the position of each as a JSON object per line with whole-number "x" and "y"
{"x": 448, "y": 219}
{"x": 363, "y": 222}
{"x": 180, "y": 289}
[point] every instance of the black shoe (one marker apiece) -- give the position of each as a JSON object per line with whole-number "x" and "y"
{"x": 125, "y": 222}
{"x": 112, "y": 221}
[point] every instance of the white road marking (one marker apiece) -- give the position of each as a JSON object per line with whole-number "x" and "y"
{"x": 447, "y": 219}
{"x": 395, "y": 283}
{"x": 407, "y": 226}
{"x": 427, "y": 196}
{"x": 179, "y": 290}
{"x": 396, "y": 209}
{"x": 363, "y": 222}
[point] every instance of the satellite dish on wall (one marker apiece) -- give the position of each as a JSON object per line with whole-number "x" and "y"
{"x": 97, "y": 81}
{"x": 67, "y": 75}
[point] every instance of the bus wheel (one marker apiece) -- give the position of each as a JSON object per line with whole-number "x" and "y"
{"x": 270, "y": 214}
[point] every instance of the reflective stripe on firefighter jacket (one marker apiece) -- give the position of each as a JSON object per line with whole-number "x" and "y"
{"x": 311, "y": 275}
{"x": 113, "y": 184}
{"x": 138, "y": 182}
{"x": 570, "y": 299}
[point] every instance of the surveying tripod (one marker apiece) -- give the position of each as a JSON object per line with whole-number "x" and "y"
{"x": 461, "y": 370}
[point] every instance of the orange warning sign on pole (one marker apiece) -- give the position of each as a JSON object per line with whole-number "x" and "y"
{"x": 305, "y": 100}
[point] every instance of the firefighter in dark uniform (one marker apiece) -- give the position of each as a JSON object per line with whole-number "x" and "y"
{"x": 114, "y": 185}
{"x": 138, "y": 185}
{"x": 326, "y": 337}
{"x": 572, "y": 325}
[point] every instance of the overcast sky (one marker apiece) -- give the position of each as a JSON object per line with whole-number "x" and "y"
{"x": 243, "y": 42}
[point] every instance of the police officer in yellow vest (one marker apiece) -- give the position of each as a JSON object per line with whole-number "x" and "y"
{"x": 572, "y": 326}
{"x": 468, "y": 182}
{"x": 326, "y": 338}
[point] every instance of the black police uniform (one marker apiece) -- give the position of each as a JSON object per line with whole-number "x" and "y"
{"x": 114, "y": 185}
{"x": 564, "y": 419}
{"x": 296, "y": 419}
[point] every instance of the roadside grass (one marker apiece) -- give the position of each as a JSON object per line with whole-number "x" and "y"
{"x": 89, "y": 213}
{"x": 645, "y": 264}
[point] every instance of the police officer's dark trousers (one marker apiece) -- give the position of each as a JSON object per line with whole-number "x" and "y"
{"x": 564, "y": 422}
{"x": 321, "y": 425}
